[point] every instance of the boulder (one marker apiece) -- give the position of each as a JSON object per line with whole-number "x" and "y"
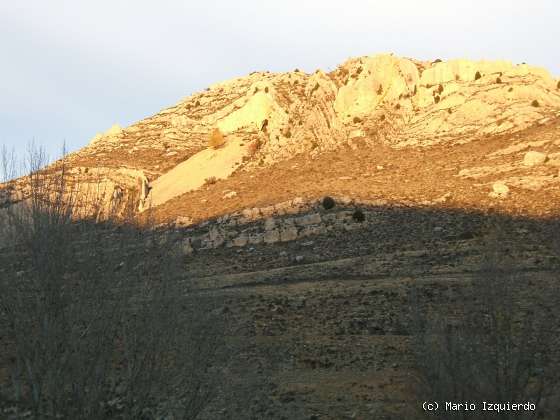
{"x": 183, "y": 221}
{"x": 230, "y": 194}
{"x": 499, "y": 190}
{"x": 534, "y": 158}
{"x": 271, "y": 236}
{"x": 288, "y": 234}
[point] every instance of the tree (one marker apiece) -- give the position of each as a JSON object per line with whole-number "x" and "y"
{"x": 493, "y": 343}
{"x": 96, "y": 320}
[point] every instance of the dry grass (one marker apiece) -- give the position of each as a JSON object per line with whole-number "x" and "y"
{"x": 216, "y": 139}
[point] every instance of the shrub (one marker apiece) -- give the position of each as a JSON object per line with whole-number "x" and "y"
{"x": 558, "y": 85}
{"x": 440, "y": 89}
{"x": 217, "y": 139}
{"x": 437, "y": 99}
{"x": 357, "y": 120}
{"x": 358, "y": 216}
{"x": 254, "y": 146}
{"x": 211, "y": 180}
{"x": 535, "y": 103}
{"x": 380, "y": 90}
{"x": 437, "y": 60}
{"x": 477, "y": 75}
{"x": 266, "y": 89}
{"x": 398, "y": 106}
{"x": 499, "y": 80}
{"x": 328, "y": 203}
{"x": 264, "y": 124}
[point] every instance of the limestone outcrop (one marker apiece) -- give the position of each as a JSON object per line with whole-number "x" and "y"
{"x": 271, "y": 117}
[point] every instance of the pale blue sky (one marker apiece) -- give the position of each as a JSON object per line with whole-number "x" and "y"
{"x": 69, "y": 69}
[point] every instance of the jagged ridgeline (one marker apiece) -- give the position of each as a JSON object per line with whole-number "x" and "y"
{"x": 268, "y": 117}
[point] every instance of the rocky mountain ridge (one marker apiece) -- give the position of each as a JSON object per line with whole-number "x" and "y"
{"x": 268, "y": 118}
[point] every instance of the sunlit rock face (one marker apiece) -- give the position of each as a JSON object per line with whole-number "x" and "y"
{"x": 270, "y": 117}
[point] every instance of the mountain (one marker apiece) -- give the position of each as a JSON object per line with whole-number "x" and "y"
{"x": 387, "y": 108}
{"x": 322, "y": 214}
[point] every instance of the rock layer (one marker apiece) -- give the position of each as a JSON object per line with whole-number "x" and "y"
{"x": 399, "y": 102}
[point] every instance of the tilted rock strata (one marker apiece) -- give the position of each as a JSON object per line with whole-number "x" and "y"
{"x": 397, "y": 101}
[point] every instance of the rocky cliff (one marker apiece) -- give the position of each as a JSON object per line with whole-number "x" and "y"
{"x": 268, "y": 118}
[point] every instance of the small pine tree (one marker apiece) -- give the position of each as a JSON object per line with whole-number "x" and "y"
{"x": 328, "y": 203}
{"x": 358, "y": 216}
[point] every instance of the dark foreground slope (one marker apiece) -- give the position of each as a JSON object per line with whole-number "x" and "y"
{"x": 325, "y": 327}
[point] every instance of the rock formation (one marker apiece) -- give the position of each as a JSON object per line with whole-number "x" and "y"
{"x": 267, "y": 118}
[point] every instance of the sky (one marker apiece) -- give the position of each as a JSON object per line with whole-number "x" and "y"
{"x": 71, "y": 69}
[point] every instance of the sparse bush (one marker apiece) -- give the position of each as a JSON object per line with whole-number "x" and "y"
{"x": 316, "y": 87}
{"x": 558, "y": 85}
{"x": 264, "y": 125}
{"x": 440, "y": 89}
{"x": 449, "y": 111}
{"x": 266, "y": 89}
{"x": 356, "y": 120}
{"x": 535, "y": 103}
{"x": 254, "y": 147}
{"x": 211, "y": 180}
{"x": 380, "y": 90}
{"x": 217, "y": 139}
{"x": 398, "y": 106}
{"x": 328, "y": 203}
{"x": 498, "y": 80}
{"x": 477, "y": 75}
{"x": 437, "y": 99}
{"x": 358, "y": 216}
